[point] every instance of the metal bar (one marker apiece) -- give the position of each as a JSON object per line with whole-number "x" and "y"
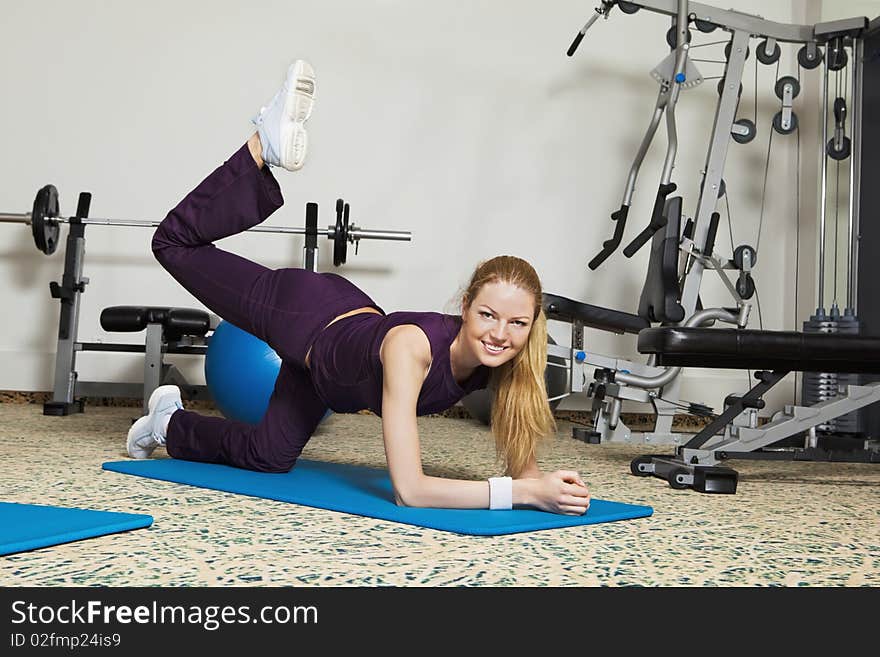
{"x": 64, "y": 383}
{"x": 643, "y": 147}
{"x": 368, "y": 234}
{"x": 855, "y": 177}
{"x": 715, "y": 159}
{"x": 733, "y": 20}
{"x": 15, "y": 218}
{"x": 681, "y": 52}
{"x": 192, "y": 350}
{"x": 769, "y": 380}
{"x": 820, "y": 309}
{"x": 846, "y": 26}
{"x": 354, "y": 232}
{"x": 152, "y": 363}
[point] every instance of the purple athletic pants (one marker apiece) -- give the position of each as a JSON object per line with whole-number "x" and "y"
{"x": 286, "y": 308}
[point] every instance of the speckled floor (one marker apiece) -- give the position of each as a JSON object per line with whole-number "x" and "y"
{"x": 790, "y": 524}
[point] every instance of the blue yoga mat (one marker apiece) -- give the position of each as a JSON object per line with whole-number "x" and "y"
{"x": 28, "y": 526}
{"x": 365, "y": 492}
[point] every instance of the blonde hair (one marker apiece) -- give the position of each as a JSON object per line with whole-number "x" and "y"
{"x": 521, "y": 414}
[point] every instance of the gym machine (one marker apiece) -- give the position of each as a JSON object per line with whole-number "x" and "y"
{"x": 670, "y": 298}
{"x": 168, "y": 330}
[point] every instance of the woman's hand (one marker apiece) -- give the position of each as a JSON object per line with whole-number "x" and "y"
{"x": 563, "y": 492}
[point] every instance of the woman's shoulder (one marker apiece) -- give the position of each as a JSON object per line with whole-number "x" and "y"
{"x": 406, "y": 333}
{"x": 406, "y": 340}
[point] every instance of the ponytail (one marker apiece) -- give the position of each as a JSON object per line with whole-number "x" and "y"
{"x": 521, "y": 414}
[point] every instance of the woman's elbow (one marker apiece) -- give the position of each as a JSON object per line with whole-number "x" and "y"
{"x": 409, "y": 495}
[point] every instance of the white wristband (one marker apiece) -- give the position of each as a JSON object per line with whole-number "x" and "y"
{"x": 500, "y": 493}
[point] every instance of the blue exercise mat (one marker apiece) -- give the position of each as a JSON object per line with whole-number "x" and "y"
{"x": 28, "y": 526}
{"x": 365, "y": 492}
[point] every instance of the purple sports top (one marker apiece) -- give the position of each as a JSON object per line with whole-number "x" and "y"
{"x": 347, "y": 386}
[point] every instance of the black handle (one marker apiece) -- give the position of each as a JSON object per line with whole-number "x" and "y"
{"x": 83, "y": 203}
{"x": 311, "y": 225}
{"x": 610, "y": 246}
{"x": 658, "y": 220}
{"x": 710, "y": 237}
{"x": 574, "y": 44}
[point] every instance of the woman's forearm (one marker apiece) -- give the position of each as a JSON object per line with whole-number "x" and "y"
{"x": 443, "y": 493}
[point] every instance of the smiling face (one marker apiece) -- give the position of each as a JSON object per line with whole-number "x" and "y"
{"x": 496, "y": 323}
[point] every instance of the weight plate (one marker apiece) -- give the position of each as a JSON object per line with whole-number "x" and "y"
{"x": 339, "y": 235}
{"x": 44, "y": 227}
{"x": 345, "y": 233}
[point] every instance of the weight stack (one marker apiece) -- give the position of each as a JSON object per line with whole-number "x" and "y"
{"x": 821, "y": 386}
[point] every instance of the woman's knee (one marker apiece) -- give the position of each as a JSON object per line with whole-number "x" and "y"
{"x": 167, "y": 248}
{"x": 270, "y": 456}
{"x": 275, "y": 464}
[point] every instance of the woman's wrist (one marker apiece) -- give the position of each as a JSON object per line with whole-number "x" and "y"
{"x": 523, "y": 492}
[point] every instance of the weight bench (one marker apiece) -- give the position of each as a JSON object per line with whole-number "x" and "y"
{"x": 168, "y": 331}
{"x": 773, "y": 354}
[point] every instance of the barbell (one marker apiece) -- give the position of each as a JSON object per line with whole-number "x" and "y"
{"x": 45, "y": 222}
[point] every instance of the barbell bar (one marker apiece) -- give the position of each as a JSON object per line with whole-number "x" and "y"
{"x": 45, "y": 222}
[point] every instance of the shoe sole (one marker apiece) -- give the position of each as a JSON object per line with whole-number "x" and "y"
{"x": 298, "y": 106}
{"x": 301, "y": 87}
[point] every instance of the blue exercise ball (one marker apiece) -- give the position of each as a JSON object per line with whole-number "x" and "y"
{"x": 240, "y": 371}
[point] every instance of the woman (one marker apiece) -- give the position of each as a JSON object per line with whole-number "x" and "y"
{"x": 339, "y": 350}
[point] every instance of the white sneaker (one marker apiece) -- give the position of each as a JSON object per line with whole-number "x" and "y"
{"x": 280, "y": 124}
{"x": 148, "y": 432}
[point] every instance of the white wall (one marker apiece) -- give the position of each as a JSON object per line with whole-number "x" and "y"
{"x": 463, "y": 122}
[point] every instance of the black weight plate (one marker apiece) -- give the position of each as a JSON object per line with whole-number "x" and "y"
{"x": 345, "y": 233}
{"x": 44, "y": 227}
{"x": 339, "y": 236}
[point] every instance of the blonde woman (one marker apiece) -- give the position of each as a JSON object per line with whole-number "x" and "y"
{"x": 340, "y": 351}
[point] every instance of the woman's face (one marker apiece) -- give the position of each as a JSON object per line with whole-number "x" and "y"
{"x": 496, "y": 325}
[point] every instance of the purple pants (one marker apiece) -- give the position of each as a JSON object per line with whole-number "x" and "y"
{"x": 286, "y": 308}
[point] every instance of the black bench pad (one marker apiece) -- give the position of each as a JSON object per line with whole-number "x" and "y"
{"x": 176, "y": 322}
{"x": 761, "y": 350}
{"x": 568, "y": 310}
